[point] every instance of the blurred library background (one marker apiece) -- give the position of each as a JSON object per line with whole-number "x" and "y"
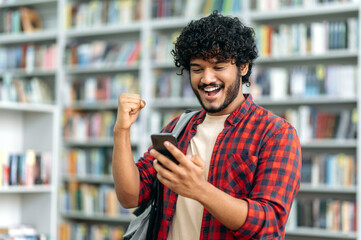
{"x": 63, "y": 64}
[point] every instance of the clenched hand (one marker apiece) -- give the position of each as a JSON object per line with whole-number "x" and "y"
{"x": 129, "y": 106}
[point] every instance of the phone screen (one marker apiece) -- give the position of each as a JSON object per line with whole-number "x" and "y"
{"x": 158, "y": 144}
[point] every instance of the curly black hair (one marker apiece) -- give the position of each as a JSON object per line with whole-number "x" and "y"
{"x": 216, "y": 36}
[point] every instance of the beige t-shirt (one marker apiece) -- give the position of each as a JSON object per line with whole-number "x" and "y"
{"x": 187, "y": 219}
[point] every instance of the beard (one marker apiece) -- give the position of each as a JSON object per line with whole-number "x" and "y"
{"x": 231, "y": 94}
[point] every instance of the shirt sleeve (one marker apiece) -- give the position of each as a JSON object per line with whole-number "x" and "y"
{"x": 277, "y": 182}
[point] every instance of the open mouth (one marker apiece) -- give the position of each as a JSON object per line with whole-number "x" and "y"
{"x": 212, "y": 91}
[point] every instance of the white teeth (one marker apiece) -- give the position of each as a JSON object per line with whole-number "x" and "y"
{"x": 211, "y": 89}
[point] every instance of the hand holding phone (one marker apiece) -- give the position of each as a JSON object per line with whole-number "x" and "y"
{"x": 158, "y": 144}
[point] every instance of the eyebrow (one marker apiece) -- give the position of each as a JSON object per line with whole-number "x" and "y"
{"x": 195, "y": 64}
{"x": 217, "y": 62}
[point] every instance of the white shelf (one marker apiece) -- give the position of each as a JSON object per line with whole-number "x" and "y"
{"x": 98, "y": 105}
{"x": 169, "y": 103}
{"x": 90, "y": 143}
{"x": 24, "y": 73}
{"x": 330, "y": 144}
{"x": 309, "y": 100}
{"x": 98, "y": 179}
{"x": 26, "y": 189}
{"x": 94, "y": 142}
{"x": 321, "y": 233}
{"x": 330, "y": 55}
{"x": 295, "y": 12}
{"x": 104, "y": 30}
{"x": 28, "y": 107}
{"x": 100, "y": 69}
{"x": 19, "y": 3}
{"x": 338, "y": 190}
{"x": 44, "y": 35}
{"x": 158, "y": 65}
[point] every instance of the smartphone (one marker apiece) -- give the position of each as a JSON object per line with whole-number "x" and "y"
{"x": 158, "y": 144}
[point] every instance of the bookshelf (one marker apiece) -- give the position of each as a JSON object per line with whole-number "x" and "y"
{"x": 343, "y": 99}
{"x": 29, "y": 106}
{"x": 102, "y": 58}
{"x": 167, "y": 95}
{"x": 325, "y": 207}
{"x": 90, "y": 70}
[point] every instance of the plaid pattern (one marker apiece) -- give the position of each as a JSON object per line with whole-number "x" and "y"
{"x": 257, "y": 157}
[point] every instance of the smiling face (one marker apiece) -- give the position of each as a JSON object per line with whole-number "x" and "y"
{"x": 217, "y": 85}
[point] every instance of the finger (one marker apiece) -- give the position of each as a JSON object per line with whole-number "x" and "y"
{"x": 163, "y": 160}
{"x": 131, "y": 98}
{"x": 164, "y": 181}
{"x": 163, "y": 172}
{"x": 131, "y": 105}
{"x": 178, "y": 154}
{"x": 196, "y": 160}
{"x": 142, "y": 103}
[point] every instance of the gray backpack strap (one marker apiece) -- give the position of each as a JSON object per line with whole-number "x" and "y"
{"x": 182, "y": 122}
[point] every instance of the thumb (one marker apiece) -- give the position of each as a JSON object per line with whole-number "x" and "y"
{"x": 142, "y": 104}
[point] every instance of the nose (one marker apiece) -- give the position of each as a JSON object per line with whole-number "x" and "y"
{"x": 208, "y": 76}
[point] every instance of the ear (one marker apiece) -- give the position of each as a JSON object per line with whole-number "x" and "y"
{"x": 244, "y": 69}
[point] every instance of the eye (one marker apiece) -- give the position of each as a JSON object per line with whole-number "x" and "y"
{"x": 219, "y": 68}
{"x": 196, "y": 70}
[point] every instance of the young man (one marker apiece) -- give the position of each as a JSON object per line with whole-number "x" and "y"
{"x": 239, "y": 165}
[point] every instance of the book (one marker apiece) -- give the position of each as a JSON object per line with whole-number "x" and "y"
{"x": 3, "y": 162}
{"x": 30, "y": 167}
{"x": 30, "y": 19}
{"x": 13, "y": 168}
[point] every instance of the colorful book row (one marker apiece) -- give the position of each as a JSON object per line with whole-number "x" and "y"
{"x": 98, "y": 13}
{"x": 80, "y": 126}
{"x": 34, "y": 90}
{"x": 101, "y": 88}
{"x": 328, "y": 169}
{"x": 94, "y": 127}
{"x": 322, "y": 213}
{"x": 73, "y": 230}
{"x": 307, "y": 39}
{"x": 312, "y": 123}
{"x": 29, "y": 57}
{"x": 88, "y": 162}
{"x": 21, "y": 19}
{"x": 25, "y": 169}
{"x": 102, "y": 54}
{"x": 90, "y": 200}
{"x": 305, "y": 81}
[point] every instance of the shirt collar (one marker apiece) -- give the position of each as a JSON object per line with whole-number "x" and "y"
{"x": 241, "y": 111}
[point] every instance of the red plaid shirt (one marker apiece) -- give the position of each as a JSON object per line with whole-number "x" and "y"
{"x": 257, "y": 157}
